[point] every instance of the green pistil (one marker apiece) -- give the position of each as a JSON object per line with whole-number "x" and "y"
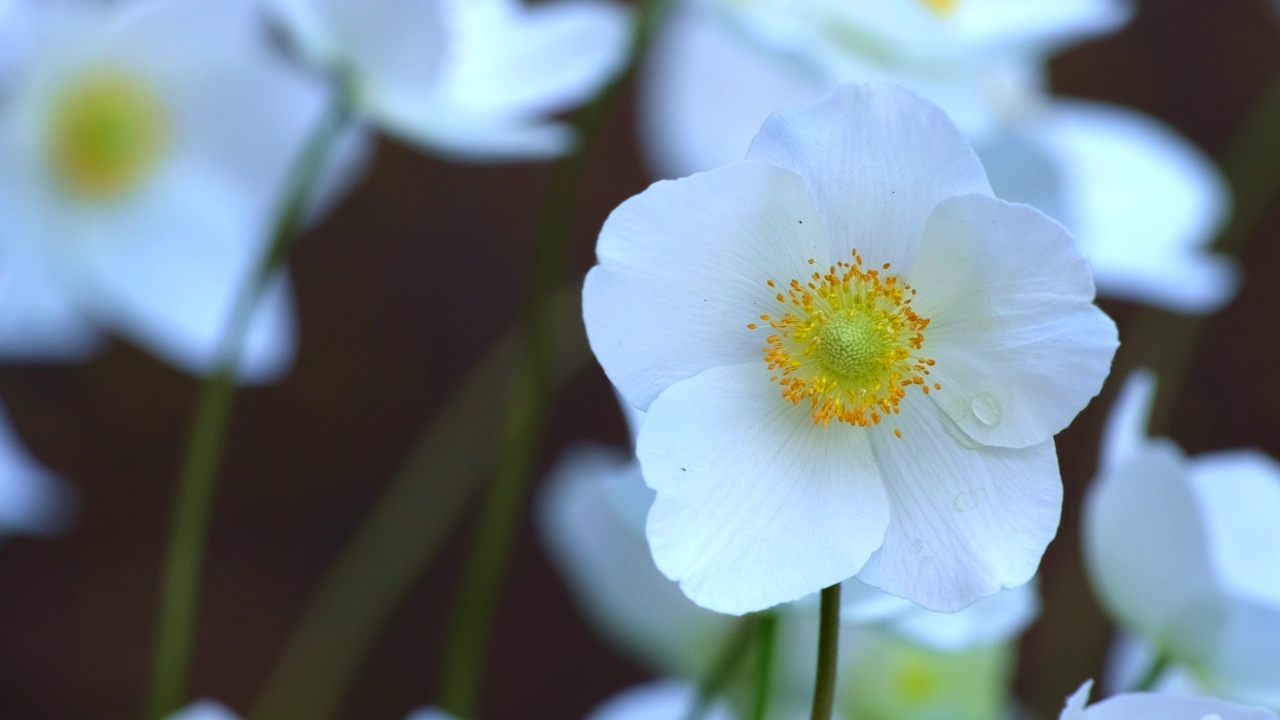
{"x": 853, "y": 344}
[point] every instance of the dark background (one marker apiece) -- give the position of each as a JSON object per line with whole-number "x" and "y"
{"x": 385, "y": 339}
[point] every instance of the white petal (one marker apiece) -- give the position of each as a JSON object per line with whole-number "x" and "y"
{"x": 1149, "y": 706}
{"x": 1244, "y": 667}
{"x": 991, "y": 620}
{"x": 39, "y": 319}
{"x": 385, "y": 46}
{"x": 468, "y": 137}
{"x": 205, "y": 710}
{"x": 683, "y": 271}
{"x": 1144, "y": 203}
{"x": 1019, "y": 345}
{"x": 430, "y": 714}
{"x": 757, "y": 505}
{"x": 167, "y": 274}
{"x": 705, "y": 90}
{"x": 877, "y": 158}
{"x": 592, "y": 517}
{"x": 1146, "y": 552}
{"x": 1126, "y": 429}
{"x": 511, "y": 60}
{"x": 1238, "y": 493}
{"x": 1074, "y": 709}
{"x": 662, "y": 700}
{"x": 32, "y": 499}
{"x": 966, "y": 521}
{"x": 244, "y": 121}
{"x": 1044, "y": 24}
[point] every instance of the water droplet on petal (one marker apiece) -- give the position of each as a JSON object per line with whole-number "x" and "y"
{"x": 986, "y": 407}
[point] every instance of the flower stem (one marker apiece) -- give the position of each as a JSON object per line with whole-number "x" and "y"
{"x": 179, "y": 588}
{"x": 824, "y": 685}
{"x": 400, "y": 535}
{"x": 468, "y": 634}
{"x": 766, "y": 639}
{"x": 1159, "y": 664}
{"x": 722, "y": 667}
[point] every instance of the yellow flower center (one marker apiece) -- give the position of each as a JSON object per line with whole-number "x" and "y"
{"x": 849, "y": 342}
{"x": 942, "y": 7}
{"x": 108, "y": 131}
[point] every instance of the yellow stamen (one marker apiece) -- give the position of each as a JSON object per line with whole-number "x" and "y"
{"x": 849, "y": 343}
{"x": 107, "y": 133}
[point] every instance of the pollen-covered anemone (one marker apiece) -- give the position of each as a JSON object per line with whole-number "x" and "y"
{"x": 853, "y": 359}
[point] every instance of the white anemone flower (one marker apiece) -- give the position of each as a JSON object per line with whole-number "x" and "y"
{"x": 32, "y": 499}
{"x": 1182, "y": 552}
{"x": 146, "y": 152}
{"x": 853, "y": 360}
{"x": 1143, "y": 202}
{"x": 470, "y": 79}
{"x": 1152, "y": 706}
{"x": 896, "y": 657}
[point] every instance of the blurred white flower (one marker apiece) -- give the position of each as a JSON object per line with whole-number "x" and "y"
{"x": 471, "y": 79}
{"x": 205, "y": 710}
{"x": 146, "y": 148}
{"x": 430, "y": 714}
{"x": 853, "y": 264}
{"x": 894, "y": 654}
{"x": 1182, "y": 552}
{"x": 661, "y": 700}
{"x": 1143, "y": 202}
{"x": 32, "y": 499}
{"x": 1151, "y": 706}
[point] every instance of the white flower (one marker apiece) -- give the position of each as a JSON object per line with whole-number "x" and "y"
{"x": 146, "y": 147}
{"x": 473, "y": 79}
{"x": 1182, "y": 552}
{"x": 32, "y": 499}
{"x": 894, "y": 654}
{"x": 1151, "y": 706}
{"x": 855, "y": 263}
{"x": 661, "y": 700}
{"x": 205, "y": 710}
{"x": 1143, "y": 202}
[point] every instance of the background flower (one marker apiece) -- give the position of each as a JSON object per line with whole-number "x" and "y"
{"x": 1175, "y": 551}
{"x": 148, "y": 146}
{"x": 1142, "y": 706}
{"x": 1143, "y": 202}
{"x": 469, "y": 79}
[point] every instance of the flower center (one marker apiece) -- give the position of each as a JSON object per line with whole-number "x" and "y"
{"x": 849, "y": 342}
{"x": 108, "y": 131}
{"x": 942, "y": 7}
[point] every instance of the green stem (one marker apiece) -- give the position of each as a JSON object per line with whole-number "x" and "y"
{"x": 179, "y": 589}
{"x": 824, "y": 684}
{"x": 401, "y": 534}
{"x": 722, "y": 667}
{"x": 766, "y": 639}
{"x": 468, "y": 634}
{"x": 1166, "y": 342}
{"x": 1159, "y": 664}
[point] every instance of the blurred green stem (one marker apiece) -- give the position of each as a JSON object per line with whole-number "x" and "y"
{"x": 401, "y": 534}
{"x": 468, "y": 632}
{"x": 1166, "y": 342}
{"x": 179, "y": 589}
{"x": 1159, "y": 664}
{"x": 766, "y": 640}
{"x": 824, "y": 685}
{"x": 722, "y": 666}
